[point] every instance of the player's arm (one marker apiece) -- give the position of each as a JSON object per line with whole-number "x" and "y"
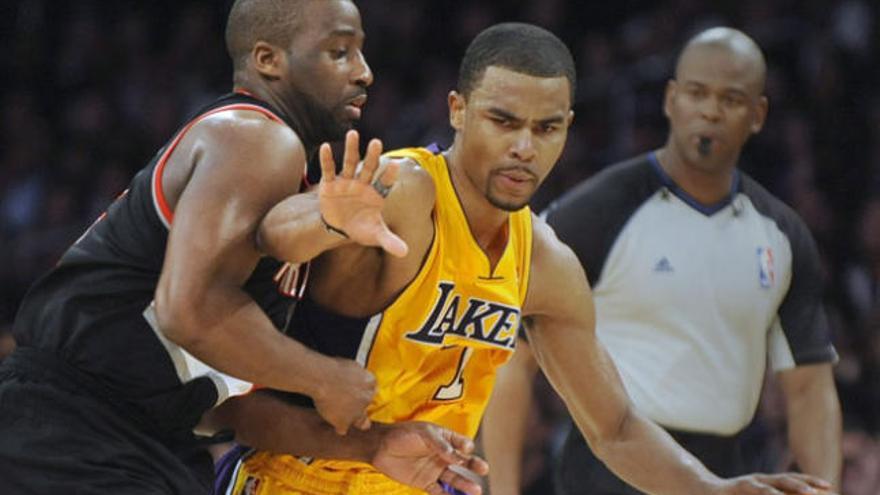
{"x": 342, "y": 209}
{"x": 241, "y": 164}
{"x": 814, "y": 420}
{"x": 561, "y": 329}
{"x": 503, "y": 429}
{"x": 415, "y": 453}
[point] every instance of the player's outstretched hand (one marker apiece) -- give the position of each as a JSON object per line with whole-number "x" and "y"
{"x": 343, "y": 402}
{"x": 429, "y": 457}
{"x": 776, "y": 484}
{"x": 352, "y": 201}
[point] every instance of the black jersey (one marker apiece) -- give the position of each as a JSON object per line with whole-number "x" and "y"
{"x": 91, "y": 309}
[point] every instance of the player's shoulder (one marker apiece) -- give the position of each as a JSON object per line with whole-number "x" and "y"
{"x": 237, "y": 126}
{"x": 411, "y": 172}
{"x": 547, "y": 249}
{"x": 251, "y": 140}
{"x": 414, "y": 188}
{"x": 556, "y": 278}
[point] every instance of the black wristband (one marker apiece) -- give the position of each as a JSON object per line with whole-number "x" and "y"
{"x": 332, "y": 229}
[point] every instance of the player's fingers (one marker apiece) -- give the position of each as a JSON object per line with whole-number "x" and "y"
{"x": 363, "y": 423}
{"x": 389, "y": 174}
{"x": 478, "y": 465}
{"x": 461, "y": 443}
{"x": 789, "y": 484}
{"x": 328, "y": 166}
{"x": 352, "y": 154}
{"x": 812, "y": 480}
{"x": 467, "y": 483}
{"x": 341, "y": 428}
{"x": 435, "y": 489}
{"x": 383, "y": 183}
{"x": 371, "y": 161}
{"x": 392, "y": 243}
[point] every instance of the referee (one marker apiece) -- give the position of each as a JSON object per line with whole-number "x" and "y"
{"x": 699, "y": 276}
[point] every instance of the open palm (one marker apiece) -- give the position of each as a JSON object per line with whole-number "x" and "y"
{"x": 351, "y": 201}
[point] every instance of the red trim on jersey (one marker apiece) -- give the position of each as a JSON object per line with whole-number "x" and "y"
{"x": 164, "y": 210}
{"x": 242, "y": 91}
{"x": 305, "y": 180}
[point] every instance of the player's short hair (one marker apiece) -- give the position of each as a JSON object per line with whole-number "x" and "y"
{"x": 523, "y": 48}
{"x": 272, "y": 21}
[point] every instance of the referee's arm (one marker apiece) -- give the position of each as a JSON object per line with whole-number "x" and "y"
{"x": 814, "y": 420}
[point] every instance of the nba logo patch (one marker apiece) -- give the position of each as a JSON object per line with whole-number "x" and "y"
{"x": 766, "y": 275}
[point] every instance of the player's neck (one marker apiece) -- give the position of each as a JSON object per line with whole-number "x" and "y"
{"x": 487, "y": 223}
{"x": 708, "y": 187}
{"x": 291, "y": 115}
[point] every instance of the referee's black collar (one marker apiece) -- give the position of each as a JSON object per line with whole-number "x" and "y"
{"x": 674, "y": 188}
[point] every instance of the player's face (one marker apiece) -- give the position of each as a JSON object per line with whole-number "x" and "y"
{"x": 511, "y": 130}
{"x": 714, "y": 105}
{"x": 327, "y": 70}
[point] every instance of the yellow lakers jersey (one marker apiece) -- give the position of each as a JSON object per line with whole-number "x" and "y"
{"x": 435, "y": 350}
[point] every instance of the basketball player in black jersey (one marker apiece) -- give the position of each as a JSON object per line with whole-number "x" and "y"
{"x": 165, "y": 306}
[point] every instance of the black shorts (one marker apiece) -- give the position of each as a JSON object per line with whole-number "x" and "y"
{"x": 59, "y": 435}
{"x": 579, "y": 472}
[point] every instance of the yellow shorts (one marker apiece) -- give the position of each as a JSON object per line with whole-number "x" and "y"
{"x": 263, "y": 473}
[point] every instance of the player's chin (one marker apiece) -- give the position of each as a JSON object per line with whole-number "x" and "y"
{"x": 508, "y": 204}
{"x": 339, "y": 129}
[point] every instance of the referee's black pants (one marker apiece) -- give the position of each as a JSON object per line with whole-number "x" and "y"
{"x": 579, "y": 472}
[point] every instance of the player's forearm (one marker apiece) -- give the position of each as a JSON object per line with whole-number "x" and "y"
{"x": 503, "y": 429}
{"x": 814, "y": 434}
{"x": 294, "y": 231}
{"x": 648, "y": 458}
{"x": 226, "y": 330}
{"x": 294, "y": 430}
{"x": 637, "y": 450}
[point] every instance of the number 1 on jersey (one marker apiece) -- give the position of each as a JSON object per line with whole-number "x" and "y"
{"x": 455, "y": 388}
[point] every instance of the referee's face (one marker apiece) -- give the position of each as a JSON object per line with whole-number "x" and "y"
{"x": 714, "y": 105}
{"x": 511, "y": 130}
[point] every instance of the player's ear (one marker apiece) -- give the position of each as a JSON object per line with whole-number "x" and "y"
{"x": 268, "y": 60}
{"x": 457, "y": 104}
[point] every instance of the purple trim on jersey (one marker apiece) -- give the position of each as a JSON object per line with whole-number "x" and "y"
{"x": 225, "y": 468}
{"x": 451, "y": 491}
{"x": 434, "y": 148}
{"x": 674, "y": 188}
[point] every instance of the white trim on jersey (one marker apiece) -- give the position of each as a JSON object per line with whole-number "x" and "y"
{"x": 188, "y": 367}
{"x": 367, "y": 340}
{"x": 778, "y": 349}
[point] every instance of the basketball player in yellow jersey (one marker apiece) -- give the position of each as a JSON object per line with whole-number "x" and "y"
{"x": 434, "y": 324}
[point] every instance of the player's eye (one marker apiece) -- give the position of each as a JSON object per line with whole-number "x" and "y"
{"x": 338, "y": 54}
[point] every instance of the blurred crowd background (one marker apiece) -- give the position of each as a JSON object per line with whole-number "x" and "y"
{"x": 92, "y": 88}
